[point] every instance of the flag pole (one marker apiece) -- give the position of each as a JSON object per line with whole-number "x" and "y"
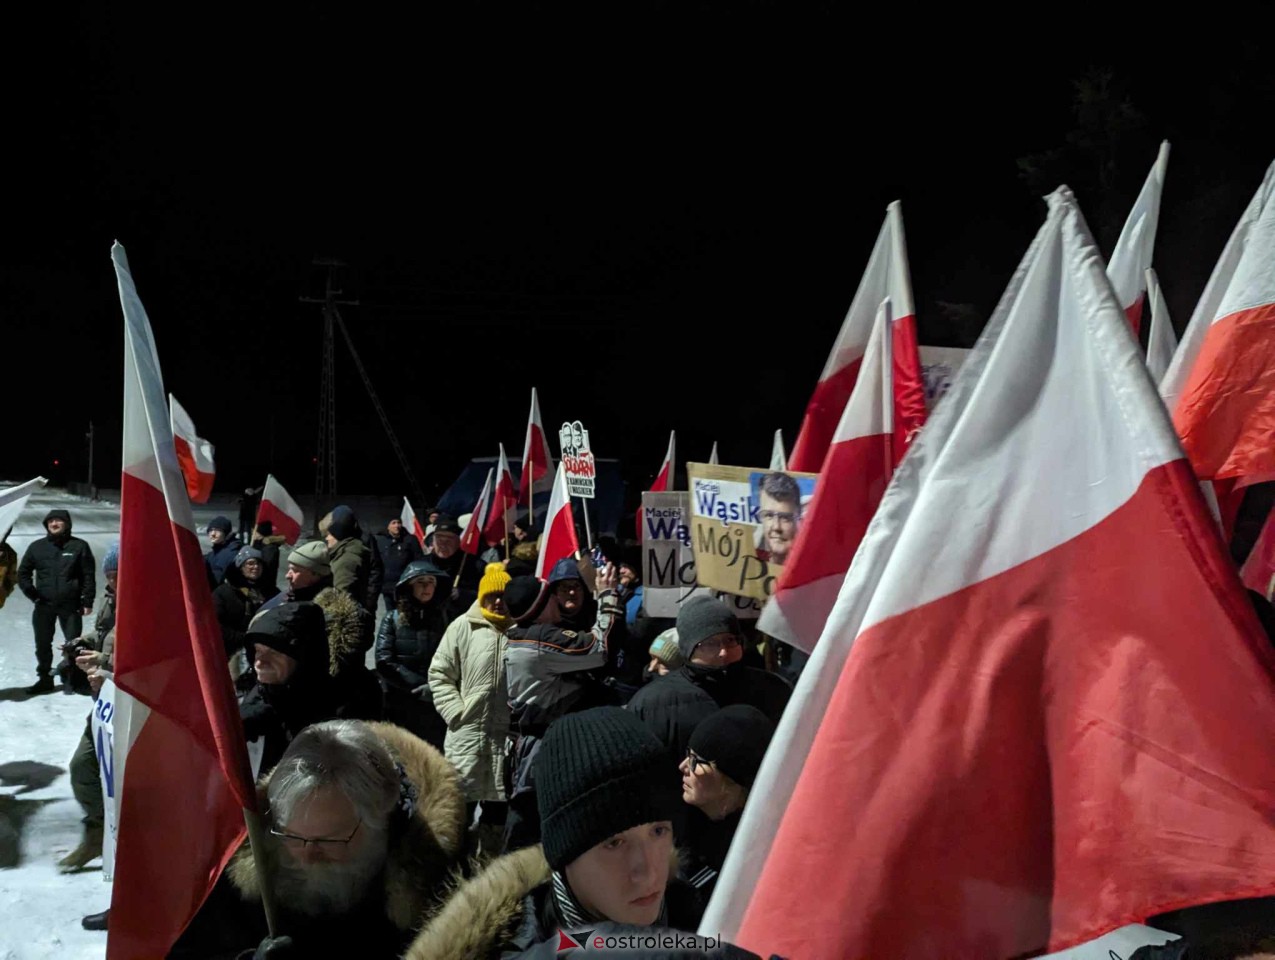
{"x": 464, "y": 555}
{"x": 588, "y": 529}
{"x": 257, "y": 842}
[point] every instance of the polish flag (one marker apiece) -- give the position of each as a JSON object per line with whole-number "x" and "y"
{"x": 470, "y": 537}
{"x": 1131, "y": 257}
{"x": 12, "y": 502}
{"x": 194, "y": 455}
{"x": 1162, "y": 342}
{"x": 778, "y": 456}
{"x": 409, "y": 521}
{"x": 559, "y": 539}
{"x": 856, "y": 472}
{"x": 536, "y": 458}
{"x": 503, "y": 501}
{"x": 1258, "y": 572}
{"x": 181, "y": 767}
{"x": 1015, "y": 734}
{"x": 281, "y": 510}
{"x": 712, "y": 457}
{"x": 1221, "y": 384}
{"x": 664, "y": 479}
{"x": 885, "y": 278}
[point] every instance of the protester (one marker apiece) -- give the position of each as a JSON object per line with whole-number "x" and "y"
{"x": 463, "y": 575}
{"x": 8, "y": 570}
{"x": 237, "y": 600}
{"x": 719, "y": 769}
{"x": 467, "y": 678}
{"x": 630, "y": 587}
{"x": 308, "y": 574}
{"x": 398, "y": 547}
{"x": 249, "y": 506}
{"x": 365, "y": 829}
{"x": 356, "y": 564}
{"x": 524, "y": 530}
{"x": 552, "y": 671}
{"x": 709, "y": 638}
{"x": 270, "y": 544}
{"x": 666, "y": 656}
{"x": 57, "y": 574}
{"x": 780, "y": 517}
{"x": 405, "y": 645}
{"x": 606, "y": 818}
{"x": 225, "y": 547}
{"x": 576, "y": 608}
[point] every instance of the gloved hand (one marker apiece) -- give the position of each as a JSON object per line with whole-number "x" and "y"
{"x": 275, "y": 948}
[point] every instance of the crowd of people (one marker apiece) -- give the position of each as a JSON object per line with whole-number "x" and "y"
{"x": 525, "y": 755}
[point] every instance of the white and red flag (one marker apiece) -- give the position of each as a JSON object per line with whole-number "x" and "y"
{"x": 537, "y": 461}
{"x": 1162, "y": 342}
{"x": 182, "y": 779}
{"x": 664, "y": 479}
{"x": 411, "y": 523}
{"x": 12, "y": 502}
{"x": 856, "y": 471}
{"x": 504, "y": 500}
{"x": 281, "y": 510}
{"x": 886, "y": 277}
{"x": 712, "y": 456}
{"x": 559, "y": 538}
{"x": 1131, "y": 257}
{"x": 778, "y": 456}
{"x": 1015, "y": 733}
{"x": 194, "y": 455}
{"x": 471, "y": 540}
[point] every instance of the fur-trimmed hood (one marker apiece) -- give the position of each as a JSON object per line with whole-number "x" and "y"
{"x": 349, "y": 627}
{"x": 423, "y": 856}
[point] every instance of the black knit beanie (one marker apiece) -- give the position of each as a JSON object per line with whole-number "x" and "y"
{"x": 525, "y": 597}
{"x": 297, "y": 629}
{"x": 735, "y": 738}
{"x": 598, "y": 773}
{"x": 700, "y": 618}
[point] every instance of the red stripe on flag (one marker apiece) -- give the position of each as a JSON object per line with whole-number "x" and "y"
{"x": 823, "y": 413}
{"x": 198, "y": 485}
{"x": 284, "y": 525}
{"x": 1226, "y": 414}
{"x": 1134, "y": 313}
{"x": 909, "y": 386}
{"x": 1038, "y": 758}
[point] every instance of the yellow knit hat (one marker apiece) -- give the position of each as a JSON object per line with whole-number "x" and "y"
{"x": 495, "y": 579}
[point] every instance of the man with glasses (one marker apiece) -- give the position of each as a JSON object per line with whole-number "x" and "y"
{"x": 709, "y": 638}
{"x": 365, "y": 823}
{"x": 780, "y": 502}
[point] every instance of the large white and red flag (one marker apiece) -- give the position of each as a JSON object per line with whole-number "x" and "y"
{"x": 856, "y": 471}
{"x": 1015, "y": 733}
{"x": 194, "y": 455}
{"x": 281, "y": 510}
{"x": 504, "y": 500}
{"x": 471, "y": 540}
{"x": 778, "y": 456}
{"x": 886, "y": 277}
{"x": 182, "y": 779}
{"x": 537, "y": 461}
{"x": 712, "y": 455}
{"x": 411, "y": 523}
{"x": 12, "y": 502}
{"x": 665, "y": 478}
{"x": 559, "y": 539}
{"x": 1220, "y": 387}
{"x": 1162, "y": 342}
{"x": 1131, "y": 257}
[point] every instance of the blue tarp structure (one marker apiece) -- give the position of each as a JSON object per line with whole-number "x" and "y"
{"x": 605, "y": 509}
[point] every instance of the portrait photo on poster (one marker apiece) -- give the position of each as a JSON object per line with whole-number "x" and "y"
{"x": 781, "y": 500}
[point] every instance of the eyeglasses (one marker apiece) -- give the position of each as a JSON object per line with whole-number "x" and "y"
{"x": 718, "y": 644}
{"x": 778, "y": 515}
{"x": 696, "y": 761}
{"x": 325, "y": 844}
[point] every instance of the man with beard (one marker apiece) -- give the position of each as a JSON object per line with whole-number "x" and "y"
{"x": 780, "y": 517}
{"x": 366, "y": 824}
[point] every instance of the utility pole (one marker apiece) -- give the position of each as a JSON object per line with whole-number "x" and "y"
{"x": 89, "y": 437}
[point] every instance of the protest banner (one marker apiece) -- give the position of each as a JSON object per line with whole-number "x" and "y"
{"x": 577, "y": 460}
{"x": 103, "y": 735}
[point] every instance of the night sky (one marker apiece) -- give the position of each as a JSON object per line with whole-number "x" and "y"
{"x": 658, "y": 216}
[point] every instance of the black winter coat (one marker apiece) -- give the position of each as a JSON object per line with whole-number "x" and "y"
{"x": 396, "y": 553}
{"x": 235, "y": 602}
{"x": 60, "y": 571}
{"x": 220, "y": 559}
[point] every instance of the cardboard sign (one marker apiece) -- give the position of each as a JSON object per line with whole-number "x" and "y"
{"x": 577, "y": 460}
{"x": 668, "y": 562}
{"x": 102, "y": 730}
{"x": 744, "y": 522}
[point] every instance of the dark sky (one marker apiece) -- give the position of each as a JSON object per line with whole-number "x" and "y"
{"x": 658, "y": 217}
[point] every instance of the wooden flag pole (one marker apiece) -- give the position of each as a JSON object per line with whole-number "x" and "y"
{"x": 257, "y": 841}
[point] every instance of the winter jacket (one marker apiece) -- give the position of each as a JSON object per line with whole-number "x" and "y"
{"x": 425, "y": 846}
{"x": 464, "y": 593}
{"x": 270, "y": 547}
{"x": 104, "y": 622}
{"x": 508, "y": 911}
{"x": 235, "y": 602}
{"x": 350, "y": 629}
{"x": 467, "y": 677}
{"x": 704, "y": 848}
{"x": 220, "y": 559}
{"x": 351, "y": 563}
{"x": 409, "y": 636}
{"x": 672, "y": 706}
{"x": 8, "y": 571}
{"x": 396, "y": 553}
{"x": 59, "y": 570}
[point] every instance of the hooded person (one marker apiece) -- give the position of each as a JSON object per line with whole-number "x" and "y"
{"x": 710, "y": 640}
{"x": 577, "y": 609}
{"x": 354, "y": 559}
{"x": 405, "y": 645}
{"x": 467, "y": 679}
{"x": 58, "y": 575}
{"x": 446, "y": 552}
{"x": 551, "y": 672}
{"x": 365, "y": 828}
{"x": 237, "y": 600}
{"x": 718, "y": 771}
{"x": 607, "y": 855}
{"x": 225, "y": 547}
